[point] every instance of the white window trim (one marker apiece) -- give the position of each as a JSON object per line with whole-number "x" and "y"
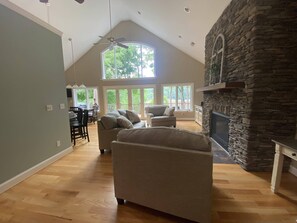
{"x": 129, "y": 79}
{"x": 129, "y": 87}
{"x": 180, "y": 84}
{"x": 75, "y": 95}
{"x": 215, "y": 54}
{"x": 119, "y": 79}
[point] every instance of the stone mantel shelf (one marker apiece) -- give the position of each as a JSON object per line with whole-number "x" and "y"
{"x": 221, "y": 86}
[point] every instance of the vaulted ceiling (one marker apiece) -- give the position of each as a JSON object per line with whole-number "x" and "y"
{"x": 167, "y": 19}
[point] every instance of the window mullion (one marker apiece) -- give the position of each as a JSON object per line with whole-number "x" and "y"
{"x": 142, "y": 102}
{"x": 176, "y": 97}
{"x": 87, "y": 97}
{"x": 141, "y": 63}
{"x": 115, "y": 63}
{"x": 190, "y": 97}
{"x": 117, "y": 98}
{"x": 170, "y": 93}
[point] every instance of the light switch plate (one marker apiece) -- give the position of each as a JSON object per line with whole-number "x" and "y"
{"x": 62, "y": 106}
{"x": 49, "y": 107}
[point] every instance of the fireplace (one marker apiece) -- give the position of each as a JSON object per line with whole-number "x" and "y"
{"x": 219, "y": 130}
{"x": 256, "y": 48}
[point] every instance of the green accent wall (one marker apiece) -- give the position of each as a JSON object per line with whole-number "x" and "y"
{"x": 32, "y": 76}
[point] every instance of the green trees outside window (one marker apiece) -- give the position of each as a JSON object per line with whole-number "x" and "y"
{"x": 129, "y": 97}
{"x": 85, "y": 97}
{"x": 178, "y": 96}
{"x": 135, "y": 62}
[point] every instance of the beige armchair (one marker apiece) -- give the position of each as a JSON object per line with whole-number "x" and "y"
{"x": 165, "y": 169}
{"x": 160, "y": 115}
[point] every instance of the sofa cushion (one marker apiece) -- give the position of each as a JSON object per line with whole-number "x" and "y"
{"x": 163, "y": 118}
{"x": 114, "y": 113}
{"x": 169, "y": 111}
{"x": 156, "y": 110}
{"x": 124, "y": 122}
{"x": 123, "y": 112}
{"x": 164, "y": 136}
{"x": 109, "y": 121}
{"x": 132, "y": 116}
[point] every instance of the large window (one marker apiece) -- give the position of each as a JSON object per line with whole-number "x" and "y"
{"x": 179, "y": 96}
{"x": 85, "y": 97}
{"x": 129, "y": 97}
{"x": 135, "y": 62}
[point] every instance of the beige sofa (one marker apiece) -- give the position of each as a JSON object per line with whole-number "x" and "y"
{"x": 108, "y": 128}
{"x": 165, "y": 169}
{"x": 160, "y": 115}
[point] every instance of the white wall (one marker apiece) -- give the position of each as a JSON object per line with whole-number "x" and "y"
{"x": 171, "y": 65}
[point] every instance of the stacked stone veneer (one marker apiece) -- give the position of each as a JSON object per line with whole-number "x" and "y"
{"x": 260, "y": 50}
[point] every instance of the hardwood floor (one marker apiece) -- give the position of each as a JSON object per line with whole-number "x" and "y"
{"x": 79, "y": 188}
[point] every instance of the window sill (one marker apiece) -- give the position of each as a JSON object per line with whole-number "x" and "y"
{"x": 129, "y": 79}
{"x": 177, "y": 111}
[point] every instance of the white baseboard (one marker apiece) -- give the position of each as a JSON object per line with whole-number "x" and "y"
{"x": 27, "y": 173}
{"x": 185, "y": 119}
{"x": 293, "y": 170}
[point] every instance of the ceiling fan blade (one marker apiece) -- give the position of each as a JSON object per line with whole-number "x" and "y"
{"x": 101, "y": 43}
{"x": 122, "y": 45}
{"x": 121, "y": 39}
{"x": 80, "y": 1}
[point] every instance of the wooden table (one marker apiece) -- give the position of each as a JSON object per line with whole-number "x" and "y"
{"x": 282, "y": 148}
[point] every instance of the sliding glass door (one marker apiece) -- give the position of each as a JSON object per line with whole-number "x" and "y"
{"x": 129, "y": 97}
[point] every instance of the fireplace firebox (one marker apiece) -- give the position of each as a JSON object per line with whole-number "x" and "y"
{"x": 219, "y": 130}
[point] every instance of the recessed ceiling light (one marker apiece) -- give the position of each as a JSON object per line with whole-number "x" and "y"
{"x": 187, "y": 10}
{"x": 193, "y": 43}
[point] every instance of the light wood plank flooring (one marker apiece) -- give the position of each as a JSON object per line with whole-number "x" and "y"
{"x": 79, "y": 188}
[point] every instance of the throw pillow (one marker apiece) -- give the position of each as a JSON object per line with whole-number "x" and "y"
{"x": 114, "y": 113}
{"x": 169, "y": 111}
{"x": 124, "y": 122}
{"x": 132, "y": 116}
{"x": 123, "y": 112}
{"x": 109, "y": 121}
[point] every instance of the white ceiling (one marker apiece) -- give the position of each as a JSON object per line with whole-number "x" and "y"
{"x": 165, "y": 18}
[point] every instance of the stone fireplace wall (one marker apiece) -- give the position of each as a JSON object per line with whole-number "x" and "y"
{"x": 260, "y": 50}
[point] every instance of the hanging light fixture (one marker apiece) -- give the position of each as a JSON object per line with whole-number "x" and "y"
{"x": 82, "y": 86}
{"x": 74, "y": 70}
{"x": 73, "y": 64}
{"x": 47, "y": 5}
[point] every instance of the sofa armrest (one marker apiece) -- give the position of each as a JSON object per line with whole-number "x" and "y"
{"x": 106, "y": 136}
{"x": 149, "y": 117}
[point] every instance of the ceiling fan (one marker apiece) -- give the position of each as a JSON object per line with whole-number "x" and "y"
{"x": 112, "y": 41}
{"x": 46, "y": 1}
